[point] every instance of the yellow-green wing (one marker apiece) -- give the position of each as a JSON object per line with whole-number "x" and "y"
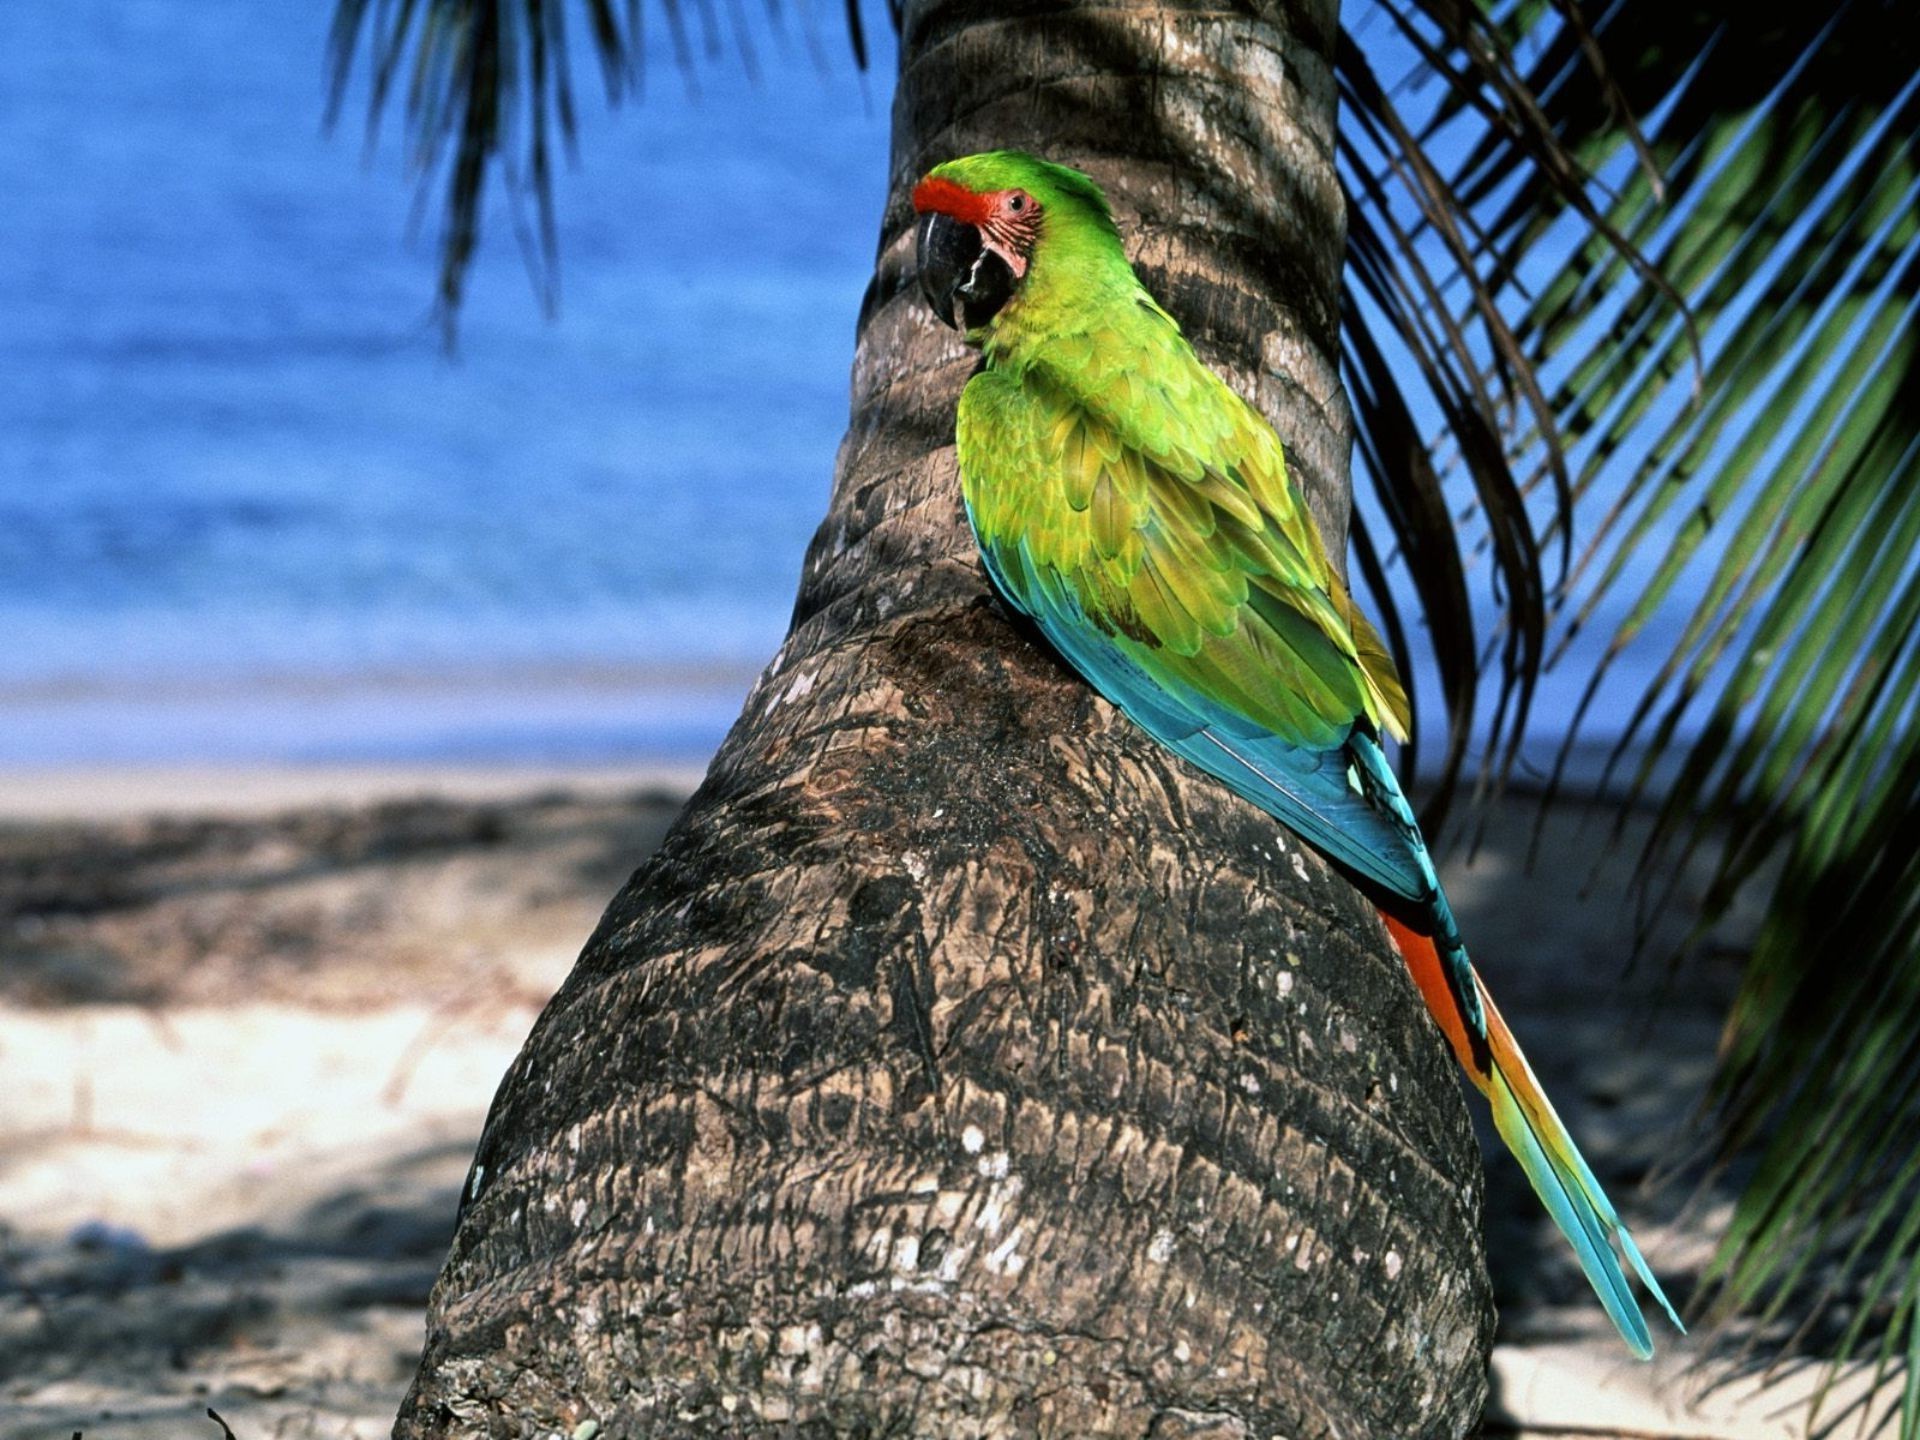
{"x": 1143, "y": 517}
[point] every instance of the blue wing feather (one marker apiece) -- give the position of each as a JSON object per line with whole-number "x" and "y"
{"x": 1309, "y": 791}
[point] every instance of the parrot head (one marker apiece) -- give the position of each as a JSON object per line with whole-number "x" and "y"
{"x": 991, "y": 226}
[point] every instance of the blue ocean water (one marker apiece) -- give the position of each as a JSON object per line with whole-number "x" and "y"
{"x": 248, "y": 505}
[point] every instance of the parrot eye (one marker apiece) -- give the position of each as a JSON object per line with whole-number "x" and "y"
{"x": 1016, "y": 202}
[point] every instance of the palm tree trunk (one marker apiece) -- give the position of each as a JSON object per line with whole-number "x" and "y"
{"x": 963, "y": 1065}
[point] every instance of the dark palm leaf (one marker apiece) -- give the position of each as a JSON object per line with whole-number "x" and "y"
{"x": 1645, "y": 274}
{"x": 1764, "y": 508}
{"x": 490, "y": 83}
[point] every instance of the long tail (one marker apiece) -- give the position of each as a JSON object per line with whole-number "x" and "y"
{"x": 1528, "y": 1125}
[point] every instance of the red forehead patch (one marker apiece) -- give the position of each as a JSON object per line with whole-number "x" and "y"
{"x": 947, "y": 197}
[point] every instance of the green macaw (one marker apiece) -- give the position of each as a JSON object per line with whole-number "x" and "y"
{"x": 1141, "y": 513}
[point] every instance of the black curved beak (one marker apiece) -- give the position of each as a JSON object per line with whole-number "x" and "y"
{"x": 964, "y": 282}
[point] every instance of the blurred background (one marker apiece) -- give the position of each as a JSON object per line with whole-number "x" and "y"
{"x": 344, "y": 679}
{"x": 250, "y": 509}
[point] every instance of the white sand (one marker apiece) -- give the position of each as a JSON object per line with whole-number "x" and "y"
{"x": 267, "y": 1191}
{"x": 68, "y": 793}
{"x": 235, "y": 1190}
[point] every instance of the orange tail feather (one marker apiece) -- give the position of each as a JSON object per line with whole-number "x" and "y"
{"x": 1533, "y": 1132}
{"x": 1429, "y": 973}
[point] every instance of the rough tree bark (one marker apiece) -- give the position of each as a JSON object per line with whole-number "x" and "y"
{"x": 963, "y": 1065}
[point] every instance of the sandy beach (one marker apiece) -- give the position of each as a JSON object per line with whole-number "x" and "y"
{"x": 251, "y": 1019}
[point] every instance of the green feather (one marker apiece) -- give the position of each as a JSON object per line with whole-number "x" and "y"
{"x": 1097, "y": 442}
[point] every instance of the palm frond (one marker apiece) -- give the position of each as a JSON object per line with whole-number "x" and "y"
{"x": 490, "y": 89}
{"x": 1394, "y": 293}
{"x": 1733, "y": 446}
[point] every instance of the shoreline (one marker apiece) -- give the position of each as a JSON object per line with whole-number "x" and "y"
{"x": 101, "y": 792}
{"x": 573, "y": 719}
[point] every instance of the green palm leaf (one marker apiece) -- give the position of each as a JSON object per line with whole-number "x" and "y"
{"x": 1771, "y": 502}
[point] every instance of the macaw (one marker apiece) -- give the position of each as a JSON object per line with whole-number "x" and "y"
{"x": 1140, "y": 512}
